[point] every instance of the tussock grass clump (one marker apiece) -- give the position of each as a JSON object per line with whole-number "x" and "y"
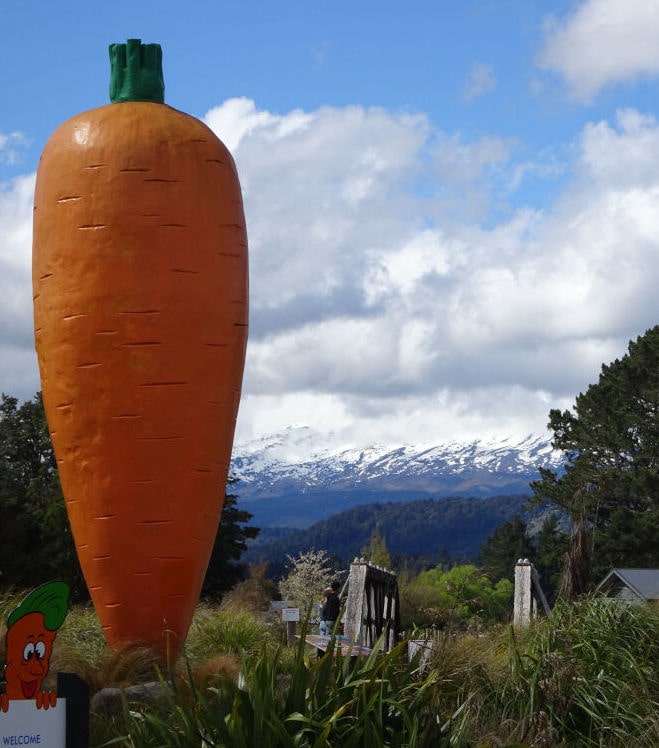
{"x": 227, "y": 628}
{"x": 9, "y": 599}
{"x": 587, "y": 675}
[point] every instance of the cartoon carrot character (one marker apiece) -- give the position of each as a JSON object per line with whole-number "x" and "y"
{"x": 140, "y": 308}
{"x": 31, "y": 631}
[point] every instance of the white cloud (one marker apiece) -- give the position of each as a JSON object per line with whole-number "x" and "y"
{"x": 602, "y": 42}
{"x": 17, "y": 357}
{"x": 239, "y": 117}
{"x": 481, "y": 80}
{"x": 623, "y": 154}
{"x": 387, "y": 303}
{"x": 11, "y": 145}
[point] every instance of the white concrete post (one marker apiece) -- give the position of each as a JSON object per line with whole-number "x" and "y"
{"x": 523, "y": 593}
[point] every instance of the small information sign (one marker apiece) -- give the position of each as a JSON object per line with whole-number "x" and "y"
{"x": 290, "y": 614}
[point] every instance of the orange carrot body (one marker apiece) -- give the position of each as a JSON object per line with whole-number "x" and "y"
{"x": 140, "y": 307}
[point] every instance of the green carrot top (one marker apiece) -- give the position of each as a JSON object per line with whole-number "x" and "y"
{"x": 136, "y": 72}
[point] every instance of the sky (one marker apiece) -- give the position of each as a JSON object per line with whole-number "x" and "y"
{"x": 451, "y": 207}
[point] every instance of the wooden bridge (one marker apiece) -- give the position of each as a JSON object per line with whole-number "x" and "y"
{"x": 372, "y": 607}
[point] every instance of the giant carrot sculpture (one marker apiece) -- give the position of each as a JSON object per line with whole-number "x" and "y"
{"x": 140, "y": 307}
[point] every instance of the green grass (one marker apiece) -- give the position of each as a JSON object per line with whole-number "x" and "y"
{"x": 588, "y": 675}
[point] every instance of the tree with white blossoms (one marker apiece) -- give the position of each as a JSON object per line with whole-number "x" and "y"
{"x": 310, "y": 573}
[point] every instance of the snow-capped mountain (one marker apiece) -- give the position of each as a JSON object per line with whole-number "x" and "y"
{"x": 293, "y": 479}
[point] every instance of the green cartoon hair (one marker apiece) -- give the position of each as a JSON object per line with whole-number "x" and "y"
{"x": 50, "y": 599}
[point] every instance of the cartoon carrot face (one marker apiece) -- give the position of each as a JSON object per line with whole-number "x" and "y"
{"x": 31, "y": 631}
{"x": 140, "y": 308}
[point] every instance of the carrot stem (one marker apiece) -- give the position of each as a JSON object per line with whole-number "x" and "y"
{"x": 136, "y": 72}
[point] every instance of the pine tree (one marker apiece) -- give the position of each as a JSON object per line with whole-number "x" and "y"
{"x": 610, "y": 485}
{"x": 224, "y": 568}
{"x": 551, "y": 545}
{"x": 376, "y": 551}
{"x": 501, "y": 551}
{"x": 37, "y": 545}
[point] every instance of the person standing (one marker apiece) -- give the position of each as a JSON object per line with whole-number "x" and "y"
{"x": 330, "y": 609}
{"x": 321, "y": 611}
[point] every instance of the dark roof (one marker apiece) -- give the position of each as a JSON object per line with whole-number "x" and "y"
{"x": 643, "y": 582}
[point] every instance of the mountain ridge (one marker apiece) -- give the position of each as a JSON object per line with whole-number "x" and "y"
{"x": 292, "y": 479}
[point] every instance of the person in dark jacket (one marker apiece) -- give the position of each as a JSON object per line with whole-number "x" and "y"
{"x": 330, "y": 609}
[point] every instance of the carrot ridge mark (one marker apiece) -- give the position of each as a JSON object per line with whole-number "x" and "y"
{"x": 162, "y": 384}
{"x": 169, "y": 558}
{"x": 92, "y": 226}
{"x": 159, "y": 438}
{"x": 69, "y": 198}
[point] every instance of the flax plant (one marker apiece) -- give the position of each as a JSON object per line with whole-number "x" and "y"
{"x": 334, "y": 700}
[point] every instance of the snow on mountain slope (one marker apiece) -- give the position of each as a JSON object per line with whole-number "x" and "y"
{"x": 295, "y": 466}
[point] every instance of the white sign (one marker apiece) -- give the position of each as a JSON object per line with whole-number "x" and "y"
{"x": 25, "y": 725}
{"x": 290, "y": 614}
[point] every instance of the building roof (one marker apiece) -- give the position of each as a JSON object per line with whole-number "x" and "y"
{"x": 643, "y": 582}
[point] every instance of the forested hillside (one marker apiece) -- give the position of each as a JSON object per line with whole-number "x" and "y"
{"x": 450, "y": 528}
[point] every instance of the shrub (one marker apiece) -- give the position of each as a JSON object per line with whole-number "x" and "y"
{"x": 309, "y": 574}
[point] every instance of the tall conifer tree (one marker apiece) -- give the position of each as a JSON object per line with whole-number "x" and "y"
{"x": 611, "y": 444}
